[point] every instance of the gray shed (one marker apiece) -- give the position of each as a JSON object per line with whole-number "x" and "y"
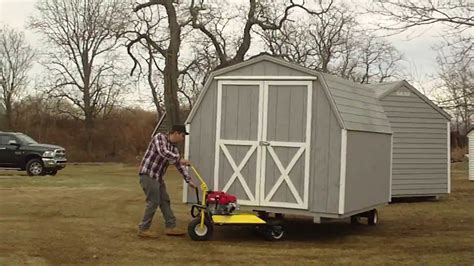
{"x": 286, "y": 139}
{"x": 421, "y": 141}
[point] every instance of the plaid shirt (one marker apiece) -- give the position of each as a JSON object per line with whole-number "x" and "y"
{"x": 159, "y": 154}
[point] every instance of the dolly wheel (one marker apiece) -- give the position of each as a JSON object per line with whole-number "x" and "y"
{"x": 373, "y": 217}
{"x": 274, "y": 233}
{"x": 198, "y": 233}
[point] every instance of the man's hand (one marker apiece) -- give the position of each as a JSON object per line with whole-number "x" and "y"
{"x": 192, "y": 185}
{"x": 184, "y": 162}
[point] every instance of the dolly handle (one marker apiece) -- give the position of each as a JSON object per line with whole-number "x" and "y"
{"x": 197, "y": 195}
{"x": 203, "y": 183}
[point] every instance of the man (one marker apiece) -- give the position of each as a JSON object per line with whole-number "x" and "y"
{"x": 161, "y": 152}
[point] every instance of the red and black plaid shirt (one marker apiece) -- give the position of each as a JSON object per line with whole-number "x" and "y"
{"x": 159, "y": 154}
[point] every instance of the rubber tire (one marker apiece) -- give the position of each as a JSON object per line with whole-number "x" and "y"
{"x": 32, "y": 161}
{"x": 373, "y": 217}
{"x": 192, "y": 229}
{"x": 274, "y": 233}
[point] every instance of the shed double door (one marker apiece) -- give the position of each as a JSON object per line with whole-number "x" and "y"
{"x": 263, "y": 142}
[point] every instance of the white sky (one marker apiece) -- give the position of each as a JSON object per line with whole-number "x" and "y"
{"x": 418, "y": 52}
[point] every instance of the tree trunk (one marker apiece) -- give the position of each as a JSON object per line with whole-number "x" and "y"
{"x": 171, "y": 71}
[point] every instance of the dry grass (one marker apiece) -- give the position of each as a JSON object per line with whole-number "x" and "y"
{"x": 88, "y": 215}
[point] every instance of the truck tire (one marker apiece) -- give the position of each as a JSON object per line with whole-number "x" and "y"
{"x": 35, "y": 167}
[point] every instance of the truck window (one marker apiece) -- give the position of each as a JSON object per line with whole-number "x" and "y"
{"x": 4, "y": 139}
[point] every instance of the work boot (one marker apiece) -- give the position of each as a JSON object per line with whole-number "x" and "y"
{"x": 174, "y": 232}
{"x": 147, "y": 234}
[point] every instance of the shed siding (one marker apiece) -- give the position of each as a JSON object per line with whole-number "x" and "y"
{"x": 367, "y": 170}
{"x": 202, "y": 138}
{"x": 325, "y": 155}
{"x": 420, "y": 152}
{"x": 265, "y": 68}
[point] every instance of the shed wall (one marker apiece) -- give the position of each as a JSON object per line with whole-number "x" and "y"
{"x": 367, "y": 170}
{"x": 420, "y": 148}
{"x": 325, "y": 155}
{"x": 203, "y": 137}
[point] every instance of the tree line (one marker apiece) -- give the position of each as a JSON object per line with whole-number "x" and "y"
{"x": 96, "y": 51}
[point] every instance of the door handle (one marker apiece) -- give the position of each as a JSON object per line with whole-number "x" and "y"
{"x": 3, "y": 148}
{"x": 264, "y": 143}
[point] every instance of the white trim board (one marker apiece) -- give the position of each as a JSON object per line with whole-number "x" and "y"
{"x": 186, "y": 157}
{"x": 342, "y": 179}
{"x": 265, "y": 78}
{"x": 449, "y": 154}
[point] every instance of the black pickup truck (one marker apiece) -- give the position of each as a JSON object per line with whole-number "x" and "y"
{"x": 19, "y": 151}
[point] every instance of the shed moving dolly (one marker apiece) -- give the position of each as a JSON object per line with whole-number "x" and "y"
{"x": 218, "y": 208}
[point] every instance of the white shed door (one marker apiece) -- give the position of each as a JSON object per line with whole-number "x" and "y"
{"x": 286, "y": 144}
{"x": 237, "y": 161}
{"x": 263, "y": 142}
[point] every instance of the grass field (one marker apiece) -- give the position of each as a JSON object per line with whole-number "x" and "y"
{"x": 87, "y": 215}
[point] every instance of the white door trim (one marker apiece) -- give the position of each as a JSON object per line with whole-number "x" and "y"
{"x": 302, "y": 202}
{"x": 237, "y": 169}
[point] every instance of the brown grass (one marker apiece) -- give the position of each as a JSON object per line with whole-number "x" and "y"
{"x": 88, "y": 215}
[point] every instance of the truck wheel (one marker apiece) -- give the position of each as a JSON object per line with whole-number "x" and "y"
{"x": 373, "y": 217}
{"x": 35, "y": 167}
{"x": 200, "y": 234}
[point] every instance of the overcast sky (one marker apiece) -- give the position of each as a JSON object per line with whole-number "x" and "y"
{"x": 418, "y": 52}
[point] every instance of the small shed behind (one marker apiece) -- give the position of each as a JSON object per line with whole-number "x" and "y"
{"x": 421, "y": 141}
{"x": 470, "y": 136}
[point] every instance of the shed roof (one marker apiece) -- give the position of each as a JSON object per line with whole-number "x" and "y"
{"x": 355, "y": 106}
{"x": 382, "y": 90}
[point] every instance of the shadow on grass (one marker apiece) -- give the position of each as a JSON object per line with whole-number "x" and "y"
{"x": 296, "y": 230}
{"x": 417, "y": 199}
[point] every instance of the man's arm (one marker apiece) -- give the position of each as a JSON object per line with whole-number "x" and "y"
{"x": 160, "y": 142}
{"x": 184, "y": 171}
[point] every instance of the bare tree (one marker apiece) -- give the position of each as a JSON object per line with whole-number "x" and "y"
{"x": 333, "y": 42}
{"x": 315, "y": 41}
{"x": 266, "y": 15}
{"x": 167, "y": 44}
{"x": 378, "y": 60}
{"x": 82, "y": 59}
{"x": 16, "y": 59}
{"x": 406, "y": 14}
{"x": 456, "y": 72}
